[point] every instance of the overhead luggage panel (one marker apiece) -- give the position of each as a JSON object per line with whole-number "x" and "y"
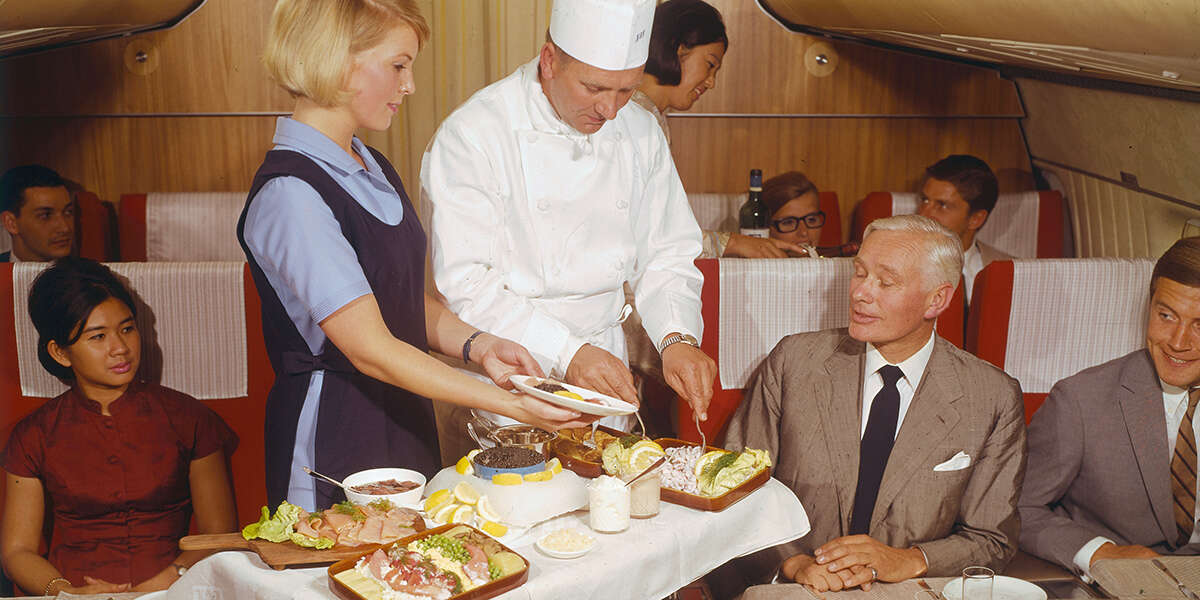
{"x": 31, "y": 26}
{"x": 1152, "y": 42}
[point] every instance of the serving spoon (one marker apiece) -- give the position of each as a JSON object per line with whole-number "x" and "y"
{"x": 325, "y": 477}
{"x": 652, "y": 467}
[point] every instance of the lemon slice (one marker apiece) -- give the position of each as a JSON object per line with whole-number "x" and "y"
{"x": 554, "y": 465}
{"x": 507, "y": 479}
{"x": 566, "y": 394}
{"x": 445, "y": 513}
{"x": 539, "y": 476}
{"x": 463, "y": 492}
{"x": 707, "y": 459}
{"x": 463, "y": 466}
{"x": 494, "y": 529}
{"x": 485, "y": 510}
{"x": 643, "y": 454}
{"x": 462, "y": 514}
{"x": 437, "y": 500}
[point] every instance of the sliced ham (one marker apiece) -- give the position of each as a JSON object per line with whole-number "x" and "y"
{"x": 477, "y": 567}
{"x": 371, "y": 531}
{"x": 337, "y": 520}
{"x": 379, "y": 564}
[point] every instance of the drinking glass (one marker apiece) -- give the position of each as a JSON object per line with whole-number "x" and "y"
{"x": 977, "y": 583}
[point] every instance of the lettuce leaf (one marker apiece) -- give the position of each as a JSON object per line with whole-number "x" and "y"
{"x": 274, "y": 529}
{"x": 305, "y": 541}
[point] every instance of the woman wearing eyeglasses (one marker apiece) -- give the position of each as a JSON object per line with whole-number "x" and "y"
{"x": 795, "y": 205}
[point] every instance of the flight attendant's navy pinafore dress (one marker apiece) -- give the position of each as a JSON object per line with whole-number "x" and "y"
{"x": 362, "y": 423}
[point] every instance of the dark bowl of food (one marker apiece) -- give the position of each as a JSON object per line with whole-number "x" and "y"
{"x": 402, "y": 487}
{"x": 508, "y": 459}
{"x": 524, "y": 436}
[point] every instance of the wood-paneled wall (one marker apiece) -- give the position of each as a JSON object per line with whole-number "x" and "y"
{"x": 873, "y": 124}
{"x": 197, "y": 115}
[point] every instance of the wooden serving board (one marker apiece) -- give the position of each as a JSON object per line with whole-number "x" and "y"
{"x": 715, "y": 504}
{"x": 279, "y": 555}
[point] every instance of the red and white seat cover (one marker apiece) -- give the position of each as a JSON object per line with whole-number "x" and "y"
{"x": 1044, "y": 320}
{"x": 181, "y": 227}
{"x": 1025, "y": 225}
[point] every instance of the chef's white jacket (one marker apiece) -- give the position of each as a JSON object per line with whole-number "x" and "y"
{"x": 536, "y": 226}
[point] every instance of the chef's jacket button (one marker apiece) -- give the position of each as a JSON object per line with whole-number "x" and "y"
{"x": 622, "y": 204}
{"x": 543, "y": 205}
{"x": 112, "y": 460}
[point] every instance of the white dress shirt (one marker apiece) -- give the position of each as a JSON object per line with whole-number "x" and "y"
{"x": 913, "y": 368}
{"x": 972, "y": 265}
{"x": 1175, "y": 403}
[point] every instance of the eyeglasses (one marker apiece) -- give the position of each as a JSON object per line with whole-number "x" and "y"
{"x": 812, "y": 220}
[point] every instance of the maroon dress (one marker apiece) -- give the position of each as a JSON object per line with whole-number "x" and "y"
{"x": 118, "y": 484}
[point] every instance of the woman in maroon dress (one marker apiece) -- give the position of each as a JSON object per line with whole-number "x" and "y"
{"x": 123, "y": 462}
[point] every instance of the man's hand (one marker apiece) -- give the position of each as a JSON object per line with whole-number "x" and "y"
{"x": 690, "y": 372}
{"x": 804, "y": 569}
{"x": 502, "y": 358}
{"x": 597, "y": 369}
{"x": 1111, "y": 550}
{"x": 744, "y": 246}
{"x": 890, "y": 564}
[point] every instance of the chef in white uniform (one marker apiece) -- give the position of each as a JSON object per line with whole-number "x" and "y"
{"x": 550, "y": 191}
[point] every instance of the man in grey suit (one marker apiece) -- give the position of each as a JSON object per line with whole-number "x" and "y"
{"x": 960, "y": 192}
{"x": 906, "y": 452}
{"x": 1112, "y": 451}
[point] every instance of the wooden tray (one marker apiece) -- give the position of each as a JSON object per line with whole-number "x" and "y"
{"x": 487, "y": 590}
{"x": 277, "y": 555}
{"x": 718, "y": 503}
{"x": 581, "y": 467}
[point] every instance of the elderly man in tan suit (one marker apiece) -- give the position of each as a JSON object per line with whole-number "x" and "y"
{"x": 906, "y": 452}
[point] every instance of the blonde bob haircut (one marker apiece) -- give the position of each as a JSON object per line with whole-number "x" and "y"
{"x": 312, "y": 43}
{"x": 943, "y": 248}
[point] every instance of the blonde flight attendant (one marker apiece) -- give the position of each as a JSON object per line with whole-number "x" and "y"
{"x": 549, "y": 193}
{"x": 337, "y": 255}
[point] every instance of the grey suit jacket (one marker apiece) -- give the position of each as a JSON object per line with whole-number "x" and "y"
{"x": 805, "y": 406}
{"x": 1099, "y": 464}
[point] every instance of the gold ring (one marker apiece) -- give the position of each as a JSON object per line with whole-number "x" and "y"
{"x": 874, "y": 573}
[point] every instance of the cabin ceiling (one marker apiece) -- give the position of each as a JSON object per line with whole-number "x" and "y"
{"x": 31, "y": 25}
{"x": 1150, "y": 42}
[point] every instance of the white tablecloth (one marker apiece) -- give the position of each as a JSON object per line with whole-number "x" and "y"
{"x": 651, "y": 559}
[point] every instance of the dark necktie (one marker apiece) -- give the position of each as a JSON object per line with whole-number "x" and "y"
{"x": 1183, "y": 473}
{"x": 875, "y": 447}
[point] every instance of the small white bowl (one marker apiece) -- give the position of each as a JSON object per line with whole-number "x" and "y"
{"x": 410, "y": 499}
{"x": 561, "y": 554}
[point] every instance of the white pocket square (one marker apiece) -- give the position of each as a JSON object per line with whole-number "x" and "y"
{"x": 958, "y": 462}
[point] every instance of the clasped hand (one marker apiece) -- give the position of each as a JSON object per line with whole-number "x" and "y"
{"x": 854, "y": 561}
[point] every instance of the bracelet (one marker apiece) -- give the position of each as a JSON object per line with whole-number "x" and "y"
{"x": 46, "y": 590}
{"x": 467, "y": 346}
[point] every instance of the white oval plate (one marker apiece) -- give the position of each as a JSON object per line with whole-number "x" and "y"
{"x": 1003, "y": 588}
{"x": 561, "y": 554}
{"x": 610, "y": 407}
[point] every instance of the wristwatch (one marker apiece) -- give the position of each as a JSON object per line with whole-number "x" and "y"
{"x": 676, "y": 338}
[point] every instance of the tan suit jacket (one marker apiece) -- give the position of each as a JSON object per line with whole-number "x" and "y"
{"x": 1099, "y": 464}
{"x": 805, "y": 408}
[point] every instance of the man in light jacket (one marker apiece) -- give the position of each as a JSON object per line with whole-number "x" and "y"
{"x": 550, "y": 191}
